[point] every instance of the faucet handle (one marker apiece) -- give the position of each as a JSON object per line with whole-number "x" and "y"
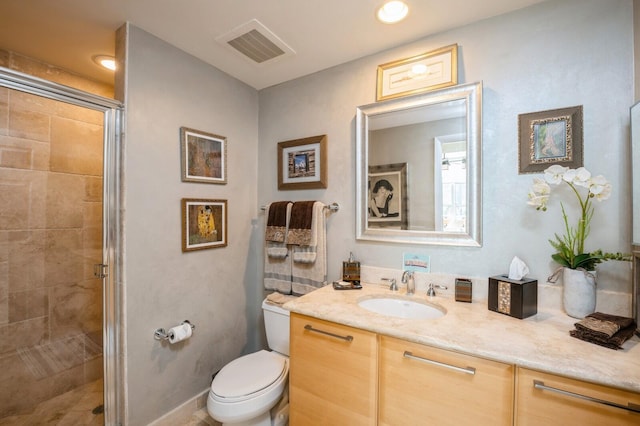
{"x": 393, "y": 286}
{"x": 431, "y": 290}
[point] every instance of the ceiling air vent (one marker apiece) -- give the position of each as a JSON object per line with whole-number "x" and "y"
{"x": 255, "y": 42}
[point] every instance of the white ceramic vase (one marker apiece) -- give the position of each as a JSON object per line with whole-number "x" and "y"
{"x": 579, "y": 292}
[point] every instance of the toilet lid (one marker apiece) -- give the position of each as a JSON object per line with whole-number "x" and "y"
{"x": 248, "y": 374}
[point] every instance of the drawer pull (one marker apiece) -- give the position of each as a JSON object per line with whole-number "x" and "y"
{"x": 309, "y": 327}
{"x": 467, "y": 370}
{"x": 635, "y": 408}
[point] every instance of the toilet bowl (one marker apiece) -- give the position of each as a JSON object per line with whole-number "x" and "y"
{"x": 245, "y": 390}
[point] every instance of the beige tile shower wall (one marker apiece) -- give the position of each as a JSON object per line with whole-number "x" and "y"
{"x": 50, "y": 237}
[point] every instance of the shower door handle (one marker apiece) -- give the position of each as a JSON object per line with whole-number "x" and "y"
{"x": 100, "y": 270}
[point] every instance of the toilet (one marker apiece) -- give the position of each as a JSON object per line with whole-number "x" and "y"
{"x": 245, "y": 392}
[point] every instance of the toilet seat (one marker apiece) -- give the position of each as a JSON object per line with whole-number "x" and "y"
{"x": 249, "y": 376}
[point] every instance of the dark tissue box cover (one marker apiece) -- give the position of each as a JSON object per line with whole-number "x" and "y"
{"x": 516, "y": 298}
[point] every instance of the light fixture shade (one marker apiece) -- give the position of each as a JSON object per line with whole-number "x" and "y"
{"x": 393, "y": 11}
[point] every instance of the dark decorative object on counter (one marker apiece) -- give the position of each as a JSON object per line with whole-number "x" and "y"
{"x": 351, "y": 270}
{"x": 463, "y": 290}
{"x": 516, "y": 298}
{"x": 610, "y": 331}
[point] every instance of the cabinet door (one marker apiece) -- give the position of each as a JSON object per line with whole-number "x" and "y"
{"x": 547, "y": 399}
{"x": 428, "y": 386}
{"x": 333, "y": 374}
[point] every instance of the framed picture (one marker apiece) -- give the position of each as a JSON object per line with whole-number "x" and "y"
{"x": 204, "y": 156}
{"x": 429, "y": 71}
{"x": 302, "y": 163}
{"x": 204, "y": 224}
{"x": 388, "y": 197}
{"x": 548, "y": 138}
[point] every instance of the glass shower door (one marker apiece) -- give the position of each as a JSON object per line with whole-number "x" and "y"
{"x": 51, "y": 226}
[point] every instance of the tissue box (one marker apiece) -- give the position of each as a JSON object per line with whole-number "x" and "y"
{"x": 516, "y": 298}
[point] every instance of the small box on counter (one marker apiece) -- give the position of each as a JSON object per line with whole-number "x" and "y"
{"x": 463, "y": 290}
{"x": 516, "y": 298}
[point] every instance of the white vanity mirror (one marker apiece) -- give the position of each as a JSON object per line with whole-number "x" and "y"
{"x": 418, "y": 163}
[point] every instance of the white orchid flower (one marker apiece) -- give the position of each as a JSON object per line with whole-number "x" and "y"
{"x": 600, "y": 188}
{"x": 597, "y": 184}
{"x": 538, "y": 201}
{"x": 539, "y": 194}
{"x": 540, "y": 187}
{"x": 582, "y": 177}
{"x": 555, "y": 173}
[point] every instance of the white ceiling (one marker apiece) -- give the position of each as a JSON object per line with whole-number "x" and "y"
{"x": 323, "y": 33}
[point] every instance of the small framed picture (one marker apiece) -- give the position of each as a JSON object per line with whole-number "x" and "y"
{"x": 302, "y": 163}
{"x": 550, "y": 137}
{"x": 204, "y": 224}
{"x": 428, "y": 71}
{"x": 204, "y": 156}
{"x": 388, "y": 197}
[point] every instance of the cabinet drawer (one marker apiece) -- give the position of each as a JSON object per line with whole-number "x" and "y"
{"x": 333, "y": 374}
{"x": 547, "y": 399}
{"x": 419, "y": 384}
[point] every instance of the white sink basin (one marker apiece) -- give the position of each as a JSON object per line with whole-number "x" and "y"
{"x": 401, "y": 308}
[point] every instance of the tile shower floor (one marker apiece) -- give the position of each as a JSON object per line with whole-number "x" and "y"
{"x": 72, "y": 408}
{"x": 76, "y": 408}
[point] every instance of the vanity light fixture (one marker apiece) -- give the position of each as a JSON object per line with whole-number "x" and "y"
{"x": 105, "y": 61}
{"x": 393, "y": 11}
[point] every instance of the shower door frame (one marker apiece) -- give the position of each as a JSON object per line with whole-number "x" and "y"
{"x": 112, "y": 297}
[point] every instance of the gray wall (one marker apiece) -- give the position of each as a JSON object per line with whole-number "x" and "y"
{"x": 636, "y": 47}
{"x": 166, "y": 89}
{"x": 552, "y": 55}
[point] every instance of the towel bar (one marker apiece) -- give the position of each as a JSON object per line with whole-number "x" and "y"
{"x": 334, "y": 207}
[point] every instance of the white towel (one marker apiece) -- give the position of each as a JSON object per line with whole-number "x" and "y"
{"x": 309, "y": 268}
{"x": 277, "y": 273}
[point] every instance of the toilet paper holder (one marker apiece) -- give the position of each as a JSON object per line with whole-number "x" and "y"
{"x": 162, "y": 334}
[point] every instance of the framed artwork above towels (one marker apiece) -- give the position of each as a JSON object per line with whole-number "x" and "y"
{"x": 302, "y": 163}
{"x": 204, "y": 156}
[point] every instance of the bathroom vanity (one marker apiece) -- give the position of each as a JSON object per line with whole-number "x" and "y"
{"x": 352, "y": 366}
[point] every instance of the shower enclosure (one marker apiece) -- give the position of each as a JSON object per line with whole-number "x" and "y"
{"x": 59, "y": 308}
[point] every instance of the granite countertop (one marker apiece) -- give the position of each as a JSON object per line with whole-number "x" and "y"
{"x": 540, "y": 342}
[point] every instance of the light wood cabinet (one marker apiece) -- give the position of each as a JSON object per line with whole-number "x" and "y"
{"x": 333, "y": 374}
{"x": 341, "y": 375}
{"x": 547, "y": 399}
{"x": 419, "y": 384}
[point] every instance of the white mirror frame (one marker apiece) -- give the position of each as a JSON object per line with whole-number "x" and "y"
{"x": 472, "y": 94}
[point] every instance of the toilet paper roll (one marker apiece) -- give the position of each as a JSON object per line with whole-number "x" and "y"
{"x": 179, "y": 333}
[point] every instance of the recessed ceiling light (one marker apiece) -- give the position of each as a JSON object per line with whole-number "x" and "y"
{"x": 393, "y": 11}
{"x": 105, "y": 61}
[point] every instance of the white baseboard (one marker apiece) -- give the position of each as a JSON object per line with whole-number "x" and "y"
{"x": 183, "y": 412}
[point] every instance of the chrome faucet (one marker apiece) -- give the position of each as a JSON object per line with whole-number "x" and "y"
{"x": 393, "y": 286}
{"x": 407, "y": 278}
{"x": 432, "y": 292}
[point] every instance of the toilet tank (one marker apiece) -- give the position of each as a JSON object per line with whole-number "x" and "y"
{"x": 276, "y": 324}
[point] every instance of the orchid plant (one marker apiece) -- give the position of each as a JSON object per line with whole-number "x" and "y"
{"x": 570, "y": 246}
